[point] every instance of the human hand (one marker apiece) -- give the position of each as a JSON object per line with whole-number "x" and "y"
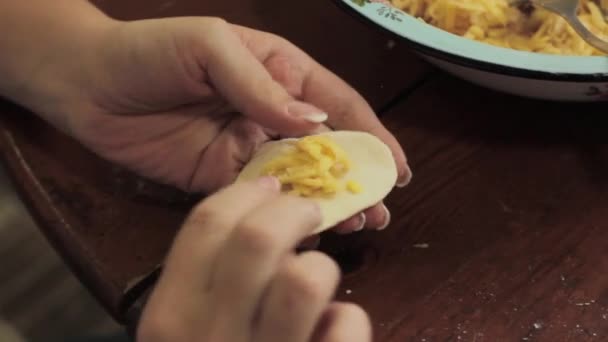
{"x": 232, "y": 276}
{"x": 186, "y": 101}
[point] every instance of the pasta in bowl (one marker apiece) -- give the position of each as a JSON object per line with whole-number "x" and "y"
{"x": 523, "y": 28}
{"x": 519, "y": 50}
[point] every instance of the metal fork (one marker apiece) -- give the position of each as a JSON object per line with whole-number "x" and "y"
{"x": 567, "y": 10}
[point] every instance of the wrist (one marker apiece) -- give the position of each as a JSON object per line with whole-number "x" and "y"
{"x": 50, "y": 50}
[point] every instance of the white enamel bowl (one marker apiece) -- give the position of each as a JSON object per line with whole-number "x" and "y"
{"x": 535, "y": 75}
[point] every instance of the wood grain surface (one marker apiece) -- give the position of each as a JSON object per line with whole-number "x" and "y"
{"x": 502, "y": 234}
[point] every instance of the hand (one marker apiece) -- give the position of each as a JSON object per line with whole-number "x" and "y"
{"x": 232, "y": 276}
{"x": 186, "y": 101}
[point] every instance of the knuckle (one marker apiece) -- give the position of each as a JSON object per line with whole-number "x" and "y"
{"x": 208, "y": 215}
{"x": 202, "y": 213}
{"x": 305, "y": 285}
{"x": 273, "y": 38}
{"x": 158, "y": 328}
{"x": 308, "y": 210}
{"x": 215, "y": 29}
{"x": 281, "y": 41}
{"x": 257, "y": 239}
{"x": 248, "y": 132}
{"x": 216, "y": 24}
{"x": 349, "y": 315}
{"x": 353, "y": 312}
{"x": 325, "y": 265}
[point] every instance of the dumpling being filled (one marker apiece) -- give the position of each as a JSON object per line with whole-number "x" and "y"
{"x": 345, "y": 172}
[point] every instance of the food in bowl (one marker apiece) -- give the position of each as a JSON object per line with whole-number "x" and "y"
{"x": 495, "y": 22}
{"x": 345, "y": 172}
{"x": 556, "y": 77}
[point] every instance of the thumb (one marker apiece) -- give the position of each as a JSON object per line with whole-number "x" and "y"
{"x": 244, "y": 81}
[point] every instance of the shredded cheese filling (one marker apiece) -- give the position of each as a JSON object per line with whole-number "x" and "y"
{"x": 495, "y": 22}
{"x": 313, "y": 166}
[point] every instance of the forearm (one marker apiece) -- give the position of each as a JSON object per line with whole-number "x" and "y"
{"x": 41, "y": 46}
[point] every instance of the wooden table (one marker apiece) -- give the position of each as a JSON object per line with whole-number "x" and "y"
{"x": 502, "y": 236}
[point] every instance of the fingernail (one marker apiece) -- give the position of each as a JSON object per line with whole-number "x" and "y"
{"x": 387, "y": 218}
{"x": 362, "y": 220}
{"x": 307, "y": 112}
{"x": 405, "y": 178}
{"x": 269, "y": 182}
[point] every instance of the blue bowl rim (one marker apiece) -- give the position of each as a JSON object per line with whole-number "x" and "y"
{"x": 476, "y": 64}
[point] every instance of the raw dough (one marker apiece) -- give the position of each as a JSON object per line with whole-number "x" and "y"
{"x": 373, "y": 167}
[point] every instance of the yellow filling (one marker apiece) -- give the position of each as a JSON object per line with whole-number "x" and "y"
{"x": 312, "y": 167}
{"x": 353, "y": 187}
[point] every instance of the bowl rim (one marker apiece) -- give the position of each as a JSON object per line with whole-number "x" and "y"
{"x": 459, "y": 50}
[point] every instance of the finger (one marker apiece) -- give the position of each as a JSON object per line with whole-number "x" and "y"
{"x": 378, "y": 217}
{"x": 352, "y": 224}
{"x": 207, "y": 228}
{"x": 226, "y": 155}
{"x": 308, "y": 81}
{"x": 344, "y": 322}
{"x": 297, "y": 298}
{"x": 184, "y": 280}
{"x": 254, "y": 250}
{"x": 349, "y": 111}
{"x": 239, "y": 76}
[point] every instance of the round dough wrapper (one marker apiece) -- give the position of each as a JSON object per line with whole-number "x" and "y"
{"x": 373, "y": 167}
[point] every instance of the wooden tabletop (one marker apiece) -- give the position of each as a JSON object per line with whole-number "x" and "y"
{"x": 502, "y": 235}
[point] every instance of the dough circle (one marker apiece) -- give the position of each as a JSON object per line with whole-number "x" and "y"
{"x": 373, "y": 167}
